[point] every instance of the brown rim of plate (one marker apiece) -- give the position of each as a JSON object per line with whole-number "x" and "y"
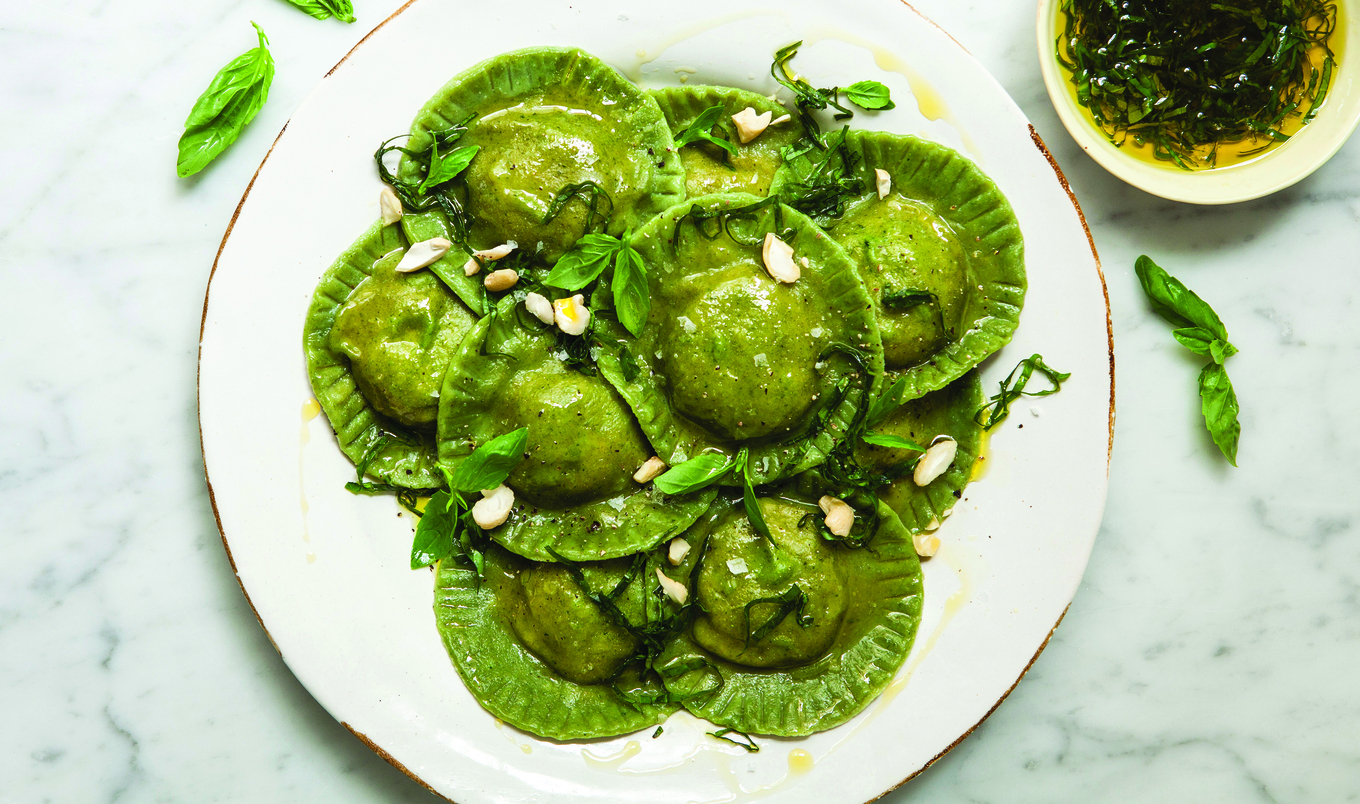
{"x": 377, "y": 749}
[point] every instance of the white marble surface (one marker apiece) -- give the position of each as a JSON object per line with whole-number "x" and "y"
{"x": 1210, "y": 654}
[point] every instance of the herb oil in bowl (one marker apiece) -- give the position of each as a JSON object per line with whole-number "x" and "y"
{"x": 1194, "y": 84}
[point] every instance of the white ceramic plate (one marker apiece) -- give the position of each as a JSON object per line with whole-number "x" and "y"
{"x": 1274, "y": 170}
{"x": 327, "y": 572}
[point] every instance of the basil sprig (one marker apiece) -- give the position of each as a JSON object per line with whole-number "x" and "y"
{"x": 588, "y": 259}
{"x": 1013, "y": 387}
{"x": 701, "y": 130}
{"x": 447, "y": 529}
{"x": 342, "y": 10}
{"x": 1201, "y": 331}
{"x": 231, "y": 101}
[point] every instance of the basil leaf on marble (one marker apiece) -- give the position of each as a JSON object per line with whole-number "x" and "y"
{"x": 491, "y": 463}
{"x": 1201, "y": 331}
{"x": 1218, "y": 402}
{"x": 443, "y": 168}
{"x": 221, "y": 113}
{"x": 696, "y": 473}
{"x": 701, "y": 131}
{"x": 870, "y": 95}
{"x": 437, "y": 531}
{"x": 342, "y": 10}
{"x": 1175, "y": 302}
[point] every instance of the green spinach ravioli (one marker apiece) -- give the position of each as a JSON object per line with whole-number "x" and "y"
{"x": 574, "y": 490}
{"x": 732, "y": 359}
{"x": 942, "y": 256}
{"x": 545, "y": 119}
{"x": 710, "y": 169}
{"x": 947, "y": 412}
{"x": 537, "y": 653}
{"x": 377, "y": 344}
{"x": 803, "y": 631}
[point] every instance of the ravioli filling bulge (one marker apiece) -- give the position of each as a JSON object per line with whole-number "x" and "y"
{"x": 584, "y": 444}
{"x": 741, "y": 566}
{"x": 902, "y": 245}
{"x": 740, "y": 355}
{"x": 552, "y": 617}
{"x": 399, "y": 332}
{"x": 530, "y": 152}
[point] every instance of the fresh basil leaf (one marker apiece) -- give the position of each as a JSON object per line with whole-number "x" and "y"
{"x": 342, "y": 10}
{"x": 490, "y": 464}
{"x": 221, "y": 113}
{"x": 701, "y": 131}
{"x": 1196, "y": 339}
{"x": 899, "y": 300}
{"x": 632, "y": 300}
{"x": 443, "y": 168}
{"x": 888, "y": 401}
{"x": 696, "y": 473}
{"x": 1219, "y": 404}
{"x": 1221, "y": 351}
{"x": 869, "y": 95}
{"x": 586, "y": 261}
{"x": 436, "y": 533}
{"x": 891, "y": 441}
{"x": 748, "y": 498}
{"x": 1174, "y": 301}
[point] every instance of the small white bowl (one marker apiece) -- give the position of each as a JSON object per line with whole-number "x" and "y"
{"x": 1275, "y": 170}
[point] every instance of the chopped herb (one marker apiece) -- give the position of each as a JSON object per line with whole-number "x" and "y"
{"x": 590, "y": 194}
{"x": 658, "y": 731}
{"x": 438, "y": 180}
{"x": 823, "y": 182}
{"x": 900, "y": 300}
{"x": 1202, "y": 332}
{"x": 1013, "y": 387}
{"x": 789, "y": 602}
{"x": 1189, "y": 75}
{"x": 865, "y": 94}
{"x": 628, "y": 365}
{"x": 712, "y": 222}
{"x": 221, "y": 113}
{"x": 408, "y": 497}
{"x": 748, "y": 744}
